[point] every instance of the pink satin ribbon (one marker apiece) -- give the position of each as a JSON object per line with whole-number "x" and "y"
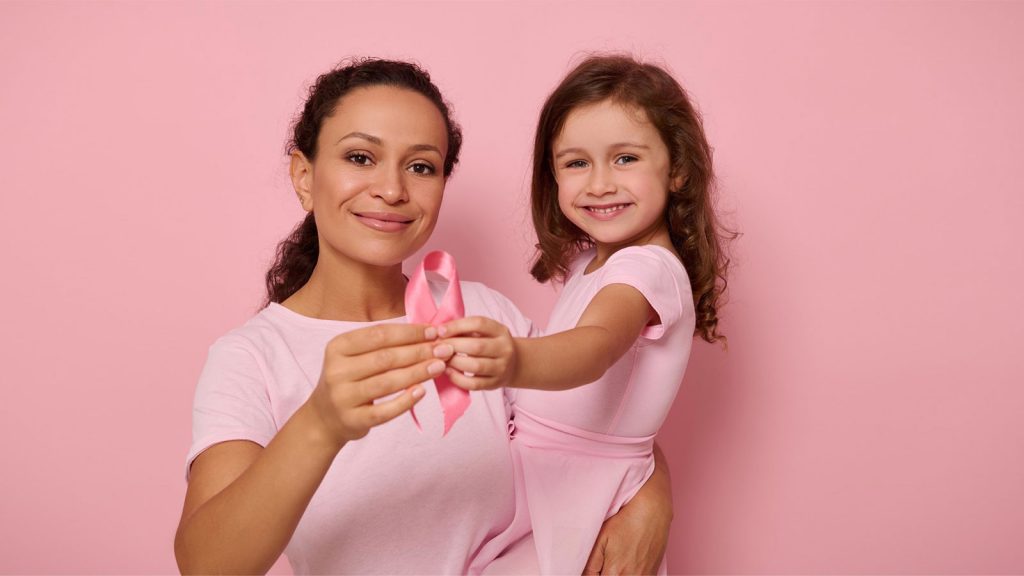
{"x": 420, "y": 309}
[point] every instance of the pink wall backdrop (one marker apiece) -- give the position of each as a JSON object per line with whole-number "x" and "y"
{"x": 867, "y": 417}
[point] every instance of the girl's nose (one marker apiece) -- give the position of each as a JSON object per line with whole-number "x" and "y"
{"x": 601, "y": 182}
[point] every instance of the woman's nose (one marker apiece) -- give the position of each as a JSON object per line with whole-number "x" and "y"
{"x": 390, "y": 186}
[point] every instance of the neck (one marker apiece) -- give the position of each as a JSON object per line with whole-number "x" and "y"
{"x": 344, "y": 289}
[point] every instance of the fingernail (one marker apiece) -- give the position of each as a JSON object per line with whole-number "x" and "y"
{"x": 417, "y": 392}
{"x": 441, "y": 331}
{"x": 443, "y": 351}
{"x": 435, "y": 368}
{"x": 430, "y": 333}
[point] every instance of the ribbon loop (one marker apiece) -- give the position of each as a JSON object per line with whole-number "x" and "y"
{"x": 420, "y": 308}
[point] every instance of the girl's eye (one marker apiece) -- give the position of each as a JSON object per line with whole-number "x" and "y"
{"x": 359, "y": 158}
{"x": 422, "y": 168}
{"x": 626, "y": 159}
{"x": 577, "y": 164}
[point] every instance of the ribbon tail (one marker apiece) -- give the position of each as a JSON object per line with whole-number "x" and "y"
{"x": 454, "y": 401}
{"x": 412, "y": 412}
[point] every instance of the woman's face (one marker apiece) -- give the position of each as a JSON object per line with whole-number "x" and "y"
{"x": 376, "y": 185}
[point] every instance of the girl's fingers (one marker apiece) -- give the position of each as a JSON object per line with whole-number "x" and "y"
{"x": 470, "y": 382}
{"x": 392, "y": 381}
{"x": 480, "y": 347}
{"x": 385, "y": 359}
{"x": 382, "y": 412}
{"x": 471, "y": 325}
{"x": 379, "y": 336}
{"x": 478, "y": 367}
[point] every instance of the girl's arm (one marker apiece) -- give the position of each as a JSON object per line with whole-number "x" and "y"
{"x": 608, "y": 327}
{"x": 244, "y": 502}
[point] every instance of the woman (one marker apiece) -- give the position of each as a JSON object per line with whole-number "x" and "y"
{"x": 282, "y": 457}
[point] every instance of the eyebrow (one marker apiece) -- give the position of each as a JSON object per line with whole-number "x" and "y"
{"x": 567, "y": 151}
{"x": 375, "y": 140}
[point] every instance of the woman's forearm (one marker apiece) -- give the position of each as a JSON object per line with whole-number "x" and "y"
{"x": 245, "y": 527}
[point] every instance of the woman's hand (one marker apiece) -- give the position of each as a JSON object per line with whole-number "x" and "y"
{"x": 633, "y": 541}
{"x": 485, "y": 353}
{"x": 363, "y": 366}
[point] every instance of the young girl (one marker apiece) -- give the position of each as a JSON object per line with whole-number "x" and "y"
{"x": 622, "y": 184}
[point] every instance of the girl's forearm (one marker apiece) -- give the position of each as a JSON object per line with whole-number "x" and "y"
{"x": 565, "y": 360}
{"x": 245, "y": 527}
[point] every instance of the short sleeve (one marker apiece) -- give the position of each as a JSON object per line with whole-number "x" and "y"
{"x": 231, "y": 400}
{"x": 651, "y": 272}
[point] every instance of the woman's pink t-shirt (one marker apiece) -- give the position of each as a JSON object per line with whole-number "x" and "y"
{"x": 399, "y": 500}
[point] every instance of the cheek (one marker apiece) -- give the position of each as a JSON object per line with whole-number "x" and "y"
{"x": 565, "y": 202}
{"x": 337, "y": 188}
{"x": 429, "y": 196}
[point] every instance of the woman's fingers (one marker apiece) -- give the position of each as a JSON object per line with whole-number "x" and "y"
{"x": 381, "y": 412}
{"x": 379, "y": 336}
{"x": 392, "y": 381}
{"x": 380, "y": 361}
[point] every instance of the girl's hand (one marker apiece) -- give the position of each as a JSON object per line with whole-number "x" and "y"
{"x": 485, "y": 353}
{"x": 365, "y": 365}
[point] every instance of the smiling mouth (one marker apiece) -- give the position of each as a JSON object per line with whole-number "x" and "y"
{"x": 606, "y": 211}
{"x": 383, "y": 221}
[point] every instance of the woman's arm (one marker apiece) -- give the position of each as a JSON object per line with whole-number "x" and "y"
{"x": 608, "y": 327}
{"x": 633, "y": 541}
{"x": 244, "y": 502}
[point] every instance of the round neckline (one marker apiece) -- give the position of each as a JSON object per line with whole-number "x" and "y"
{"x": 592, "y": 272}
{"x": 277, "y": 309}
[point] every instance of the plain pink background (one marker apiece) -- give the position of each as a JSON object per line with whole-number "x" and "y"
{"x": 867, "y": 417}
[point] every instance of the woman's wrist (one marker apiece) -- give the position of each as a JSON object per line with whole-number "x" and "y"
{"x": 313, "y": 428}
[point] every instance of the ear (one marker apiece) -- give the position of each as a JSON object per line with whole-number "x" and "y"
{"x": 301, "y": 172}
{"x": 678, "y": 181}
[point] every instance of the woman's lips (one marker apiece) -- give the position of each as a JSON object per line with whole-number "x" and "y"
{"x": 383, "y": 221}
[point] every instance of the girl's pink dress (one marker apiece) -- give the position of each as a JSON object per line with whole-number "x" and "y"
{"x": 581, "y": 454}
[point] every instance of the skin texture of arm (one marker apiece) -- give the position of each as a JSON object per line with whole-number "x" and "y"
{"x": 244, "y": 502}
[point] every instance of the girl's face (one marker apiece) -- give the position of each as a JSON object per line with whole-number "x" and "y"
{"x": 376, "y": 185}
{"x": 612, "y": 170}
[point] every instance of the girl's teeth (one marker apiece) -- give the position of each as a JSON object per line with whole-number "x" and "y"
{"x": 608, "y": 210}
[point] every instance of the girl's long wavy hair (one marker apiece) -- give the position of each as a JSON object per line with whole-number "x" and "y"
{"x": 297, "y": 254}
{"x": 693, "y": 226}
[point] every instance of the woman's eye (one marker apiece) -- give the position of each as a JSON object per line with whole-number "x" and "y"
{"x": 626, "y": 159}
{"x": 358, "y": 158}
{"x": 422, "y": 168}
{"x": 577, "y": 164}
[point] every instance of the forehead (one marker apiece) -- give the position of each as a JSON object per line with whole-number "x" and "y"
{"x": 395, "y": 115}
{"x": 606, "y": 119}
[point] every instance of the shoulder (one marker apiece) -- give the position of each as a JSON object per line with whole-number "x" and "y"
{"x": 250, "y": 343}
{"x": 481, "y": 300}
{"x": 648, "y": 259}
{"x": 658, "y": 274}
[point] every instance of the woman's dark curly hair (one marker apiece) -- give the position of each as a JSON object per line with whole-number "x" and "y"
{"x": 297, "y": 254}
{"x": 696, "y": 234}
